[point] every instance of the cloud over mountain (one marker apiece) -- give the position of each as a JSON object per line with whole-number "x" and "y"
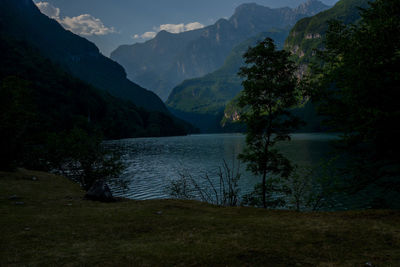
{"x": 49, "y": 10}
{"x": 84, "y": 24}
{"x": 172, "y": 28}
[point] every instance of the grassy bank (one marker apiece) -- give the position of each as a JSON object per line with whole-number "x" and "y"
{"x": 45, "y": 221}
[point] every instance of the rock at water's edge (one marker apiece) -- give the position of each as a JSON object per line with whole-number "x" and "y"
{"x": 100, "y": 192}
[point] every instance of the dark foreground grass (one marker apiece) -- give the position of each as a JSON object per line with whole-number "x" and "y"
{"x": 55, "y": 226}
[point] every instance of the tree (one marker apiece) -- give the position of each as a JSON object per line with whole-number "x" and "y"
{"x": 82, "y": 156}
{"x": 357, "y": 90}
{"x": 269, "y": 92}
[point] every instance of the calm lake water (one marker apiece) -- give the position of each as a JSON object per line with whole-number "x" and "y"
{"x": 153, "y": 162}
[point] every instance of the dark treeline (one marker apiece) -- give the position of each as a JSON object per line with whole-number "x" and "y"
{"x": 354, "y": 84}
{"x": 39, "y": 99}
{"x": 356, "y": 87}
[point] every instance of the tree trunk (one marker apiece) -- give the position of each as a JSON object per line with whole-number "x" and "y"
{"x": 264, "y": 189}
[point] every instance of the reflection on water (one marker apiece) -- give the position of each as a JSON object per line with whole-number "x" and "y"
{"x": 153, "y": 162}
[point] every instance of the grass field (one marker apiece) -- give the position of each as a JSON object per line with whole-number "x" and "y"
{"x": 45, "y": 221}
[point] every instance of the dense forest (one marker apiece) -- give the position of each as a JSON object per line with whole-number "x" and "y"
{"x": 38, "y": 98}
{"x": 56, "y": 86}
{"x": 355, "y": 86}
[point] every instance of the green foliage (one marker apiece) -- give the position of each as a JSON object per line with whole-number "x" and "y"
{"x": 312, "y": 188}
{"x": 52, "y": 121}
{"x": 357, "y": 90}
{"x": 303, "y": 47}
{"x": 209, "y": 95}
{"x": 64, "y": 102}
{"x": 305, "y": 189}
{"x": 82, "y": 157}
{"x": 269, "y": 92}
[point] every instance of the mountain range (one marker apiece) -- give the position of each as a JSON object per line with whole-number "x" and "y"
{"x": 71, "y": 80}
{"x": 308, "y": 34}
{"x": 205, "y": 101}
{"x": 21, "y": 19}
{"x": 213, "y": 54}
{"x": 165, "y": 61}
{"x": 201, "y": 101}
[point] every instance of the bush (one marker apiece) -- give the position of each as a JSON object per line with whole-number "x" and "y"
{"x": 82, "y": 157}
{"x": 312, "y": 188}
{"x": 224, "y": 192}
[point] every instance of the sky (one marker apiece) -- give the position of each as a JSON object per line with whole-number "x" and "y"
{"x": 110, "y": 23}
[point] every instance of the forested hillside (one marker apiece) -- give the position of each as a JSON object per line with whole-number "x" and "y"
{"x": 308, "y": 34}
{"x": 38, "y": 99}
{"x": 22, "y": 20}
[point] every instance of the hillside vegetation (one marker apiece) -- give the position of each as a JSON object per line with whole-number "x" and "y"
{"x": 22, "y": 20}
{"x": 309, "y": 33}
{"x": 210, "y": 93}
{"x": 201, "y": 101}
{"x": 57, "y": 101}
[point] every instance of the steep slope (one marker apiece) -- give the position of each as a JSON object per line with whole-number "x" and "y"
{"x": 200, "y": 99}
{"x": 149, "y": 63}
{"x": 23, "y": 20}
{"x": 306, "y": 36}
{"x": 168, "y": 59}
{"x": 308, "y": 33}
{"x": 57, "y": 101}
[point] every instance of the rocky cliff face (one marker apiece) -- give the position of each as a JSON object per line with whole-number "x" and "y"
{"x": 308, "y": 34}
{"x": 168, "y": 59}
{"x": 199, "y": 99}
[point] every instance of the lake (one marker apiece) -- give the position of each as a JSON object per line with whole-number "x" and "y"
{"x": 151, "y": 163}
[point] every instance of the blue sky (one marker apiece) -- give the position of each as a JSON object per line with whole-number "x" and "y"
{"x": 110, "y": 23}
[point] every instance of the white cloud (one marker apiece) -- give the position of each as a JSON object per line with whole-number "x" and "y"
{"x": 177, "y": 28}
{"x": 172, "y": 28}
{"x": 145, "y": 36}
{"x": 49, "y": 10}
{"x": 193, "y": 26}
{"x": 84, "y": 24}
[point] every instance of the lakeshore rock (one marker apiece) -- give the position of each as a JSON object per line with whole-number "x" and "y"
{"x": 100, "y": 192}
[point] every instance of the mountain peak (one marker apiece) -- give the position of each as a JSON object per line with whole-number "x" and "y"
{"x": 163, "y": 33}
{"x": 164, "y": 63}
{"x": 247, "y": 6}
{"x": 22, "y": 20}
{"x": 311, "y": 7}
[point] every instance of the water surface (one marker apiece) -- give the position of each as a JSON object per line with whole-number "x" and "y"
{"x": 153, "y": 162}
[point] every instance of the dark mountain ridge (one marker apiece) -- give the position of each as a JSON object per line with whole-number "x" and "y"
{"x": 22, "y": 20}
{"x": 59, "y": 102}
